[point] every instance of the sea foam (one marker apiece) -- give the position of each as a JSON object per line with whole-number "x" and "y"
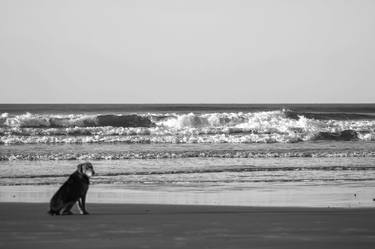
{"x": 239, "y": 127}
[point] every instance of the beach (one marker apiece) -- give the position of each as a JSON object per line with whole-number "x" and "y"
{"x": 27, "y": 225}
{"x": 189, "y": 176}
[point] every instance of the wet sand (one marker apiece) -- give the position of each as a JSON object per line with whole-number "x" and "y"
{"x": 353, "y": 195}
{"x": 27, "y": 225}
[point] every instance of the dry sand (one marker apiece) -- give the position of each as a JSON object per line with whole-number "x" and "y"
{"x": 27, "y": 225}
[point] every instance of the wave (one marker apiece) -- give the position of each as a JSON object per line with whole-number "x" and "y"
{"x": 211, "y": 174}
{"x": 29, "y": 120}
{"x": 346, "y": 135}
{"x": 156, "y": 136}
{"x": 233, "y": 168}
{"x": 329, "y": 116}
{"x": 283, "y": 126}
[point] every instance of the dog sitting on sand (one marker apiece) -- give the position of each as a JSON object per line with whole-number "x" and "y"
{"x": 72, "y": 191}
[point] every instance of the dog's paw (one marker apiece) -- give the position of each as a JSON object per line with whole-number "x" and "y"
{"x": 67, "y": 213}
{"x": 85, "y": 213}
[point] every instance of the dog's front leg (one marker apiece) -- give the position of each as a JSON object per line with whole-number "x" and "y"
{"x": 79, "y": 206}
{"x": 82, "y": 205}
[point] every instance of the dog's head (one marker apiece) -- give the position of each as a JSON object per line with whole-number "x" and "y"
{"x": 86, "y": 169}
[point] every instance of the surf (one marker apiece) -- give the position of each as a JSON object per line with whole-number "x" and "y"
{"x": 279, "y": 126}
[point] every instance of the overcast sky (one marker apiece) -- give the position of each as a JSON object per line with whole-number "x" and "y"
{"x": 194, "y": 51}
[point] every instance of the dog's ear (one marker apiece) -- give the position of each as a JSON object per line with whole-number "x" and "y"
{"x": 80, "y": 168}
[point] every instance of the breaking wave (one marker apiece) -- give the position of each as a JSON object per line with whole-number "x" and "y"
{"x": 283, "y": 126}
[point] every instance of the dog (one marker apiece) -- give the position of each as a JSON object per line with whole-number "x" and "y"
{"x": 72, "y": 191}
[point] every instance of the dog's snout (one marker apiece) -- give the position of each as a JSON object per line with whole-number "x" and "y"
{"x": 92, "y": 171}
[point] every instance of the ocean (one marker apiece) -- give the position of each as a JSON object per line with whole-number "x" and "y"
{"x": 225, "y": 154}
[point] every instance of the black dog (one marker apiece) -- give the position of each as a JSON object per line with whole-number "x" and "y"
{"x": 72, "y": 191}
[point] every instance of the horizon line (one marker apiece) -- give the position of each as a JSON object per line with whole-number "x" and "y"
{"x": 186, "y": 103}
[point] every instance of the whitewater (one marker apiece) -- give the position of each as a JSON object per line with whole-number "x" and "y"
{"x": 280, "y": 126}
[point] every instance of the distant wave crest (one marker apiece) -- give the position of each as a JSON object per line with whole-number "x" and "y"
{"x": 29, "y": 120}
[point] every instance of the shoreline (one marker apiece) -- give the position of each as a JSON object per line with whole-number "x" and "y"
{"x": 354, "y": 195}
{"x": 186, "y": 226}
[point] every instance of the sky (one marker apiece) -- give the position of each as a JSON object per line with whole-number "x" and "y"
{"x": 194, "y": 51}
